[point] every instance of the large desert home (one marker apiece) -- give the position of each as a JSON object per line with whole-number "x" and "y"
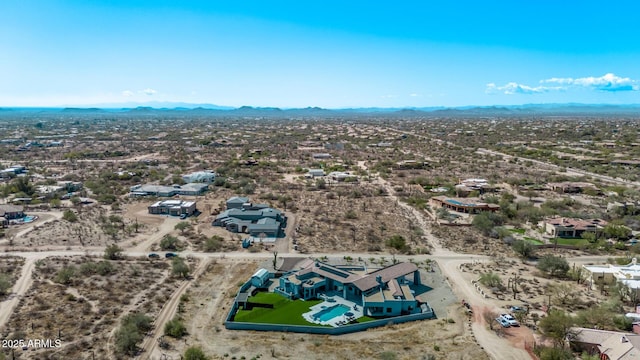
{"x": 571, "y": 228}
{"x": 173, "y": 207}
{"x": 258, "y": 220}
{"x": 383, "y": 292}
{"x": 467, "y": 206}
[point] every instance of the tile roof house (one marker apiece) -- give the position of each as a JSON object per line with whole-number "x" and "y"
{"x": 568, "y": 227}
{"x": 609, "y": 345}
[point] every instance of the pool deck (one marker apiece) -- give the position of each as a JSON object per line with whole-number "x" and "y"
{"x": 328, "y": 302}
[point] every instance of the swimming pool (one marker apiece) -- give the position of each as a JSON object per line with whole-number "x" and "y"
{"x": 28, "y": 218}
{"x": 331, "y": 312}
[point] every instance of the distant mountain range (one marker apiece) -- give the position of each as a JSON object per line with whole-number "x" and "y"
{"x": 248, "y": 111}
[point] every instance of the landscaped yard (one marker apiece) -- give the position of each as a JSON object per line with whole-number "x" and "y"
{"x": 533, "y": 241}
{"x": 517, "y": 231}
{"x": 285, "y": 311}
{"x": 569, "y": 241}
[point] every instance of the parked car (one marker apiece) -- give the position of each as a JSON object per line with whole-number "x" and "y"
{"x": 170, "y": 255}
{"x": 502, "y": 322}
{"x": 183, "y": 216}
{"x": 154, "y": 256}
{"x": 510, "y": 319}
{"x": 518, "y": 309}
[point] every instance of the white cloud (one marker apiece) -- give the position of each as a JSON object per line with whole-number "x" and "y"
{"x": 515, "y": 88}
{"x": 414, "y": 95}
{"x": 149, "y": 91}
{"x": 389, "y": 96}
{"x": 127, "y": 93}
{"x": 607, "y": 82}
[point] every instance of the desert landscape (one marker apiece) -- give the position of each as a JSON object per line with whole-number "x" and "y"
{"x": 94, "y": 268}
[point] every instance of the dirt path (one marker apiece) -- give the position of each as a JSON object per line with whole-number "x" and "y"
{"x": 149, "y": 348}
{"x": 20, "y": 288}
{"x": 496, "y": 347}
{"x": 144, "y": 241}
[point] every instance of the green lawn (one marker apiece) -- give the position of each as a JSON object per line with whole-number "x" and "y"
{"x": 268, "y": 298}
{"x": 569, "y": 241}
{"x": 517, "y": 231}
{"x": 364, "y": 319}
{"x": 285, "y": 311}
{"x": 533, "y": 241}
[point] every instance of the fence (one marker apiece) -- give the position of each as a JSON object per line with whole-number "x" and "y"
{"x": 344, "y": 329}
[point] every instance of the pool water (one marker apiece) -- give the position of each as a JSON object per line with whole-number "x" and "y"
{"x": 28, "y": 218}
{"x": 331, "y": 312}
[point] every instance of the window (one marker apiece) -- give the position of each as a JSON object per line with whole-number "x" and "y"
{"x": 388, "y": 310}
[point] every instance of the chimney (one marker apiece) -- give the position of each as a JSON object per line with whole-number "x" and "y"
{"x": 379, "y": 280}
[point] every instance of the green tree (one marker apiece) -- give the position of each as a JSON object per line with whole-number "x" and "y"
{"x": 182, "y": 226}
{"x": 213, "y": 244}
{"x": 175, "y": 328}
{"x": 490, "y": 279}
{"x": 486, "y": 221}
{"x": 113, "y": 252}
{"x": 65, "y": 275}
{"x": 195, "y": 353}
{"x": 553, "y": 265}
{"x": 5, "y": 284}
{"x": 523, "y": 248}
{"x": 179, "y": 267}
{"x": 127, "y": 337}
{"x": 69, "y": 216}
{"x": 169, "y": 242}
{"x": 556, "y": 326}
{"x": 616, "y": 231}
{"x": 556, "y": 353}
{"x": 397, "y": 242}
{"x": 55, "y": 203}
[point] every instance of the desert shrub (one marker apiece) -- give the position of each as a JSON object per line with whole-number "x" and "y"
{"x": 195, "y": 353}
{"x": 169, "y": 242}
{"x": 69, "y": 216}
{"x": 5, "y": 284}
{"x": 65, "y": 275}
{"x": 113, "y": 252}
{"x": 553, "y": 266}
{"x": 397, "y": 242}
{"x": 175, "y": 328}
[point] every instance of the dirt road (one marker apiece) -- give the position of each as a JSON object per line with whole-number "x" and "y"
{"x": 144, "y": 242}
{"x": 496, "y": 347}
{"x": 150, "y": 349}
{"x": 20, "y": 288}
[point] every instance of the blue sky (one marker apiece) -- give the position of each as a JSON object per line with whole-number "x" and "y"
{"x": 331, "y": 54}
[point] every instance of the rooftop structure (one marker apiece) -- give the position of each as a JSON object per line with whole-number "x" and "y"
{"x": 383, "y": 292}
{"x": 610, "y": 345}
{"x": 463, "y": 206}
{"x": 628, "y": 275}
{"x": 173, "y": 207}
{"x": 191, "y": 189}
{"x": 200, "y": 177}
{"x": 258, "y": 220}
{"x": 571, "y": 186}
{"x": 10, "y": 212}
{"x": 568, "y": 227}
